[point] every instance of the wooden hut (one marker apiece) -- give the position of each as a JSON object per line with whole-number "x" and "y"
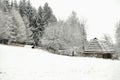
{"x": 100, "y": 49}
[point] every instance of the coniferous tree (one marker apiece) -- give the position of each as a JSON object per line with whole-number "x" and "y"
{"x": 21, "y": 29}
{"x": 38, "y": 20}
{"x": 14, "y": 28}
{"x": 22, "y": 8}
{"x": 48, "y": 14}
{"x": 11, "y": 4}
{"x": 13, "y": 32}
{"x": 37, "y": 26}
{"x": 9, "y": 29}
{"x": 28, "y": 13}
{"x": 33, "y": 26}
{"x": 15, "y": 4}
{"x": 0, "y": 4}
{"x": 45, "y": 16}
{"x": 5, "y": 5}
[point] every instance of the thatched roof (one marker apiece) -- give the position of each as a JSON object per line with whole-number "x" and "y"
{"x": 96, "y": 45}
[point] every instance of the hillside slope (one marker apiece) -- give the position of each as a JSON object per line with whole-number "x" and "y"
{"x": 17, "y": 63}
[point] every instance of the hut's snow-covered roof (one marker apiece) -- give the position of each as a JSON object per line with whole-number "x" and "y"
{"x": 96, "y": 45}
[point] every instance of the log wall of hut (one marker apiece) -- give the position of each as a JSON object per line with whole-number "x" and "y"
{"x": 107, "y": 56}
{"x": 98, "y": 55}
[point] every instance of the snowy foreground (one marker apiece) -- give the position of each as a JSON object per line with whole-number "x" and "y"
{"x": 17, "y": 63}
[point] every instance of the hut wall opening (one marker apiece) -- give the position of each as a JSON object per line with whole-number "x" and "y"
{"x": 107, "y": 56}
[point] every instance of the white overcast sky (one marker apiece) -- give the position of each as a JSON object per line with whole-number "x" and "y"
{"x": 101, "y": 15}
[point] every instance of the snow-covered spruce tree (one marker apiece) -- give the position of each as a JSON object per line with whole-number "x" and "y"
{"x": 0, "y": 4}
{"x": 29, "y": 39}
{"x": 22, "y": 8}
{"x": 34, "y": 28}
{"x": 14, "y": 4}
{"x": 12, "y": 32}
{"x": 44, "y": 17}
{"x": 37, "y": 21}
{"x": 28, "y": 13}
{"x": 7, "y": 27}
{"x": 12, "y": 25}
{"x": 6, "y": 5}
{"x": 26, "y": 9}
{"x": 118, "y": 38}
{"x": 21, "y": 29}
{"x": 37, "y": 24}
{"x": 30, "y": 21}
{"x": 48, "y": 14}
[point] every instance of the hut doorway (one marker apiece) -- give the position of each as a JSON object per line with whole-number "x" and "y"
{"x": 107, "y": 56}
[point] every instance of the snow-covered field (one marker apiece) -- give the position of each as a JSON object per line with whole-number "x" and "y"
{"x": 17, "y": 63}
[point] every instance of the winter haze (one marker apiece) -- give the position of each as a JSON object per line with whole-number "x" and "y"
{"x": 101, "y": 15}
{"x": 59, "y": 40}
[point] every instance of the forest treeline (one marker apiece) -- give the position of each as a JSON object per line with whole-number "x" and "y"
{"x": 20, "y": 22}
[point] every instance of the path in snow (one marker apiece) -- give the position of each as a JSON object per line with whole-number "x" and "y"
{"x": 17, "y": 63}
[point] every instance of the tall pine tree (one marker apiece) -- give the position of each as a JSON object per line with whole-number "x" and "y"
{"x": 48, "y": 14}
{"x": 37, "y": 26}
{"x": 22, "y": 8}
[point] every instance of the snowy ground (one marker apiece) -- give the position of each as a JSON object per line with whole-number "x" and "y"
{"x": 17, "y": 63}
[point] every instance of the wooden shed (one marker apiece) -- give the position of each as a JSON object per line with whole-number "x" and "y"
{"x": 100, "y": 49}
